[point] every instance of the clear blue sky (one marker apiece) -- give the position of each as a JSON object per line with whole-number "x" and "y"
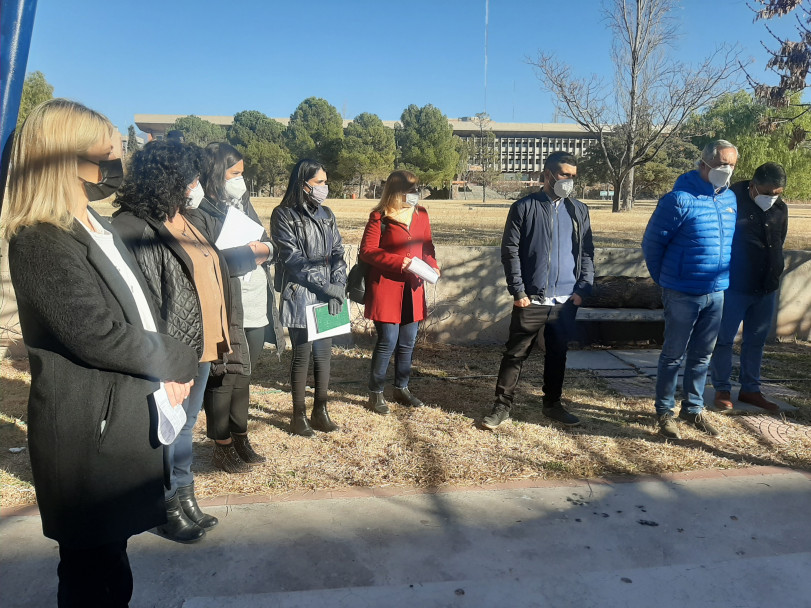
{"x": 209, "y": 57}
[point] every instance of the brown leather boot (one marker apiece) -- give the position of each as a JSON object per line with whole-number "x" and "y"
{"x": 757, "y": 399}
{"x": 723, "y": 400}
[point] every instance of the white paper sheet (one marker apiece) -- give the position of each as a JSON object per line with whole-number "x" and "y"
{"x": 423, "y": 270}
{"x": 312, "y": 329}
{"x": 238, "y": 230}
{"x": 170, "y": 419}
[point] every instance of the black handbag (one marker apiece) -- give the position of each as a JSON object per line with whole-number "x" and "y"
{"x": 356, "y": 282}
{"x": 356, "y": 279}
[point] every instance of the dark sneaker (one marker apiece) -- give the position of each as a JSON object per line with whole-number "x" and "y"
{"x": 555, "y": 411}
{"x": 701, "y": 422}
{"x": 403, "y": 396}
{"x": 667, "y": 426}
{"x": 499, "y": 415}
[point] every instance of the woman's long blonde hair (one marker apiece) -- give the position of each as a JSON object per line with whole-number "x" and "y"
{"x": 397, "y": 186}
{"x": 43, "y": 175}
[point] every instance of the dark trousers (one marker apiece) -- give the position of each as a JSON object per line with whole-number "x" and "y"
{"x": 321, "y": 351}
{"x": 397, "y": 339}
{"x": 527, "y": 323}
{"x": 227, "y": 397}
{"x": 95, "y": 576}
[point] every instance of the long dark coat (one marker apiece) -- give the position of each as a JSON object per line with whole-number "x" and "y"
{"x": 91, "y": 436}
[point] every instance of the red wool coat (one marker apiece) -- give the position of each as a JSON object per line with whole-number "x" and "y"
{"x": 386, "y": 283}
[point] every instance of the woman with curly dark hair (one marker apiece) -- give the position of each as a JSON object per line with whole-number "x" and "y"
{"x": 188, "y": 284}
{"x": 254, "y": 319}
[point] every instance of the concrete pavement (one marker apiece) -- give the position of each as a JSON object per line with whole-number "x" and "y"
{"x": 714, "y": 538}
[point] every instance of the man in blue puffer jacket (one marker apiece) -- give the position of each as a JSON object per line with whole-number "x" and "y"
{"x": 687, "y": 246}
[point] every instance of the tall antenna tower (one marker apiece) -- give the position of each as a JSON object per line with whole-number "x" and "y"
{"x": 486, "y": 23}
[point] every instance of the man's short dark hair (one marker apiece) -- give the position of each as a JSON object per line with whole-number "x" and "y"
{"x": 176, "y": 135}
{"x": 770, "y": 174}
{"x": 556, "y": 159}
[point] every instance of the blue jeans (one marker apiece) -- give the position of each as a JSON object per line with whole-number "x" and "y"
{"x": 178, "y": 455}
{"x": 691, "y": 327}
{"x": 756, "y": 312}
{"x": 396, "y": 338}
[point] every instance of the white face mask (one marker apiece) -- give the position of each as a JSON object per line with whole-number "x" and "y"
{"x": 195, "y": 197}
{"x": 235, "y": 187}
{"x": 563, "y": 187}
{"x": 719, "y": 176}
{"x": 764, "y": 201}
{"x": 412, "y": 198}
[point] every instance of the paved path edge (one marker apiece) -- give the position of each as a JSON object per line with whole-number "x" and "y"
{"x": 391, "y": 491}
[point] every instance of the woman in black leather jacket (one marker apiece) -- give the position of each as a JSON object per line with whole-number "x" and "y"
{"x": 313, "y": 270}
{"x": 185, "y": 280}
{"x": 253, "y": 315}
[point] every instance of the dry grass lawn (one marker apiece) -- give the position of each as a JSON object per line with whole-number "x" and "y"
{"x": 440, "y": 444}
{"x": 469, "y": 222}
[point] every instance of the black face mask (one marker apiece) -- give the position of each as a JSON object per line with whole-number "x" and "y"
{"x": 112, "y": 174}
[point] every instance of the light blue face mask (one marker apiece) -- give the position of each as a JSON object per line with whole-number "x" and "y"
{"x": 412, "y": 198}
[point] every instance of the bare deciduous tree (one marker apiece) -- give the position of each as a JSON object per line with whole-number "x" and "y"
{"x": 792, "y": 63}
{"x": 651, "y": 95}
{"x": 487, "y": 157}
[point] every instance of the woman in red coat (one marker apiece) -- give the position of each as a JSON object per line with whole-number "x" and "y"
{"x": 398, "y": 230}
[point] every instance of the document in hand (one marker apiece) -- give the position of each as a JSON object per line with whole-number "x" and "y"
{"x": 170, "y": 419}
{"x": 238, "y": 230}
{"x": 321, "y": 324}
{"x": 423, "y": 270}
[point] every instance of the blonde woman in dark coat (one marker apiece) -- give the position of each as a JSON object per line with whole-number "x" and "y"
{"x": 95, "y": 357}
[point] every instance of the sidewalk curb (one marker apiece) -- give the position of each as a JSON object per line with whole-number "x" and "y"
{"x": 521, "y": 484}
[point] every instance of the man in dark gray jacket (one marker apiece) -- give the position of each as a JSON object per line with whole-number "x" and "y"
{"x": 756, "y": 264}
{"x": 548, "y": 257}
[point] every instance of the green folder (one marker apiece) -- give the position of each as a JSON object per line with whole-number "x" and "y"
{"x": 325, "y": 321}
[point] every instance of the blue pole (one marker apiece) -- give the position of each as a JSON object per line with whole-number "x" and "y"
{"x": 16, "y": 23}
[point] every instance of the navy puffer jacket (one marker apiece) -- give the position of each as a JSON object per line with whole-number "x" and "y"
{"x": 688, "y": 241}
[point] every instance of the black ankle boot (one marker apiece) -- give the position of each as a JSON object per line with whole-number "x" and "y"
{"x": 226, "y": 458}
{"x": 301, "y": 426}
{"x": 377, "y": 403}
{"x": 245, "y": 450}
{"x": 320, "y": 419}
{"x": 188, "y": 502}
{"x": 403, "y": 396}
{"x": 178, "y": 526}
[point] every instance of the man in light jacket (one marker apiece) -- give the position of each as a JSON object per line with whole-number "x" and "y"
{"x": 687, "y": 247}
{"x": 548, "y": 257}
